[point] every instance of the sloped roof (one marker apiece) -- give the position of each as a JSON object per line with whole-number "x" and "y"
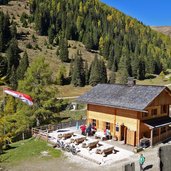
{"x": 158, "y": 122}
{"x": 135, "y": 97}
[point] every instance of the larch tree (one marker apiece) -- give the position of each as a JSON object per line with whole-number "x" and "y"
{"x": 35, "y": 82}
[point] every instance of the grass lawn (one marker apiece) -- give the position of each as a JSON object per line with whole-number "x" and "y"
{"x": 155, "y": 81}
{"x": 27, "y": 150}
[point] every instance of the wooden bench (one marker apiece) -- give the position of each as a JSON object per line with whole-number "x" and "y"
{"x": 77, "y": 139}
{"x": 65, "y": 135}
{"x": 90, "y": 144}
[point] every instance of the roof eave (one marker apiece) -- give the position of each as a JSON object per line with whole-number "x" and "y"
{"x": 118, "y": 107}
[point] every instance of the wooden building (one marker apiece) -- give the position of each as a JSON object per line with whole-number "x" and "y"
{"x": 131, "y": 112}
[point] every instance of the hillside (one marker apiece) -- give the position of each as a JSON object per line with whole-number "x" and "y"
{"x": 105, "y": 29}
{"x": 163, "y": 29}
{"x": 127, "y": 47}
{"x": 15, "y": 10}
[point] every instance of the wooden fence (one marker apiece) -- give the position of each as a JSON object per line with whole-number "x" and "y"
{"x": 42, "y": 131}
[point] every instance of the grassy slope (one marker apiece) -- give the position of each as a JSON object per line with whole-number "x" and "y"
{"x": 27, "y": 150}
{"x": 163, "y": 29}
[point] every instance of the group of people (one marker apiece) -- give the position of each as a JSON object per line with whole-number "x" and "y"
{"x": 88, "y": 130}
{"x": 91, "y": 130}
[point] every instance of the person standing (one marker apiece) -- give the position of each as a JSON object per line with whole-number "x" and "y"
{"x": 141, "y": 162}
{"x": 83, "y": 129}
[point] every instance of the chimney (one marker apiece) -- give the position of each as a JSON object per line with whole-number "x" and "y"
{"x": 131, "y": 81}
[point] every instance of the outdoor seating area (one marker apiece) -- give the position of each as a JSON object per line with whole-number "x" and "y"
{"x": 88, "y": 147}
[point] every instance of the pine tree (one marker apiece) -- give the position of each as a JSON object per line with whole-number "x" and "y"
{"x": 94, "y": 72}
{"x": 78, "y": 74}
{"x": 141, "y": 69}
{"x": 98, "y": 73}
{"x": 122, "y": 71}
{"x": 51, "y": 35}
{"x": 102, "y": 71}
{"x": 86, "y": 73}
{"x": 135, "y": 65}
{"x": 22, "y": 68}
{"x": 13, "y": 30}
{"x": 13, "y": 56}
{"x": 63, "y": 53}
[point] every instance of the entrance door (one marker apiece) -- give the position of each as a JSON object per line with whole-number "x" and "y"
{"x": 122, "y": 132}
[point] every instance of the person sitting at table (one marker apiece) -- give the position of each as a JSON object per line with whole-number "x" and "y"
{"x": 107, "y": 134}
{"x": 93, "y": 130}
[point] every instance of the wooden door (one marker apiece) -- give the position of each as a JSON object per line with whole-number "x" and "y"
{"x": 131, "y": 137}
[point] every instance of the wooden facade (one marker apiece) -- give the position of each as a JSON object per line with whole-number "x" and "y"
{"x": 129, "y": 125}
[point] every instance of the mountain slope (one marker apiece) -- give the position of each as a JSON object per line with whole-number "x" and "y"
{"x": 106, "y": 29}
{"x": 93, "y": 28}
{"x": 163, "y": 29}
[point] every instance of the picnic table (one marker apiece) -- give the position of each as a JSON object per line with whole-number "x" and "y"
{"x": 77, "y": 138}
{"x": 105, "y": 149}
{"x": 90, "y": 143}
{"x": 64, "y": 134}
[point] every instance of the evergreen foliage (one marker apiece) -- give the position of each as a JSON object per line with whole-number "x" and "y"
{"x": 98, "y": 73}
{"x": 63, "y": 50}
{"x": 78, "y": 74}
{"x": 22, "y": 68}
{"x": 105, "y": 29}
{"x": 13, "y": 56}
{"x": 51, "y": 35}
{"x": 87, "y": 74}
{"x": 5, "y": 34}
{"x": 122, "y": 71}
{"x": 38, "y": 76}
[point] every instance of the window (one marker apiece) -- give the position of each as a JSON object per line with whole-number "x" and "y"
{"x": 94, "y": 122}
{"x": 164, "y": 109}
{"x": 144, "y": 115}
{"x": 163, "y": 130}
{"x": 153, "y": 112}
{"x": 107, "y": 125}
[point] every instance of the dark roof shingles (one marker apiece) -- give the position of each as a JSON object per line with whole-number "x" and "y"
{"x": 122, "y": 96}
{"x": 158, "y": 122}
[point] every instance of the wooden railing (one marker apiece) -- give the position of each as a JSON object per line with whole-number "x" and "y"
{"x": 162, "y": 137}
{"x": 42, "y": 131}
